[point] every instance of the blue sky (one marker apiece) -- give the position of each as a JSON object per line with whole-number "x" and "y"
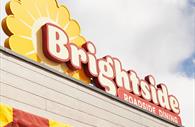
{"x": 188, "y": 66}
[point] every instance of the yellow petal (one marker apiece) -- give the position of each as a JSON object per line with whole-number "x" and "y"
{"x": 43, "y": 7}
{"x": 13, "y": 25}
{"x": 80, "y": 75}
{"x": 20, "y": 45}
{"x": 53, "y": 8}
{"x": 63, "y": 16}
{"x": 73, "y": 29}
{"x": 18, "y": 10}
{"x": 31, "y": 6}
{"x": 65, "y": 69}
{"x": 79, "y": 40}
{"x": 6, "y": 115}
{"x": 6, "y": 43}
{"x": 34, "y": 57}
{"x": 83, "y": 77}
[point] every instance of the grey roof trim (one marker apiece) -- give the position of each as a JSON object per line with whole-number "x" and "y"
{"x": 114, "y": 98}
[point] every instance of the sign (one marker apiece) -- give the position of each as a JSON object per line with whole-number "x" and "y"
{"x": 23, "y": 26}
{"x": 43, "y": 31}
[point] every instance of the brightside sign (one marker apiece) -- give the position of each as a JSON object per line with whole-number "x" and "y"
{"x": 54, "y": 39}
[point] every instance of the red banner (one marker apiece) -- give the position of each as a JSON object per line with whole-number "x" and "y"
{"x": 148, "y": 106}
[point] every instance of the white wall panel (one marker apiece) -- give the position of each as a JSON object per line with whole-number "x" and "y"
{"x": 37, "y": 90}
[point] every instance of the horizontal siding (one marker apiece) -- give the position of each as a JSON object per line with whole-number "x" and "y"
{"x": 30, "y": 85}
{"x": 22, "y": 96}
{"x": 47, "y": 114}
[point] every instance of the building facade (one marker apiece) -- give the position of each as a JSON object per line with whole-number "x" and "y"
{"x": 50, "y": 77}
{"x": 37, "y": 89}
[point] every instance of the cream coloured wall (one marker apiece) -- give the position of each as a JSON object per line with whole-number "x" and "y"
{"x": 40, "y": 90}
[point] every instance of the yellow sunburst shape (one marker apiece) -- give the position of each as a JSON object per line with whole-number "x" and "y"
{"x": 23, "y": 26}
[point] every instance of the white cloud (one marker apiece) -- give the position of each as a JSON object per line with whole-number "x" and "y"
{"x": 156, "y": 32}
{"x": 193, "y": 61}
